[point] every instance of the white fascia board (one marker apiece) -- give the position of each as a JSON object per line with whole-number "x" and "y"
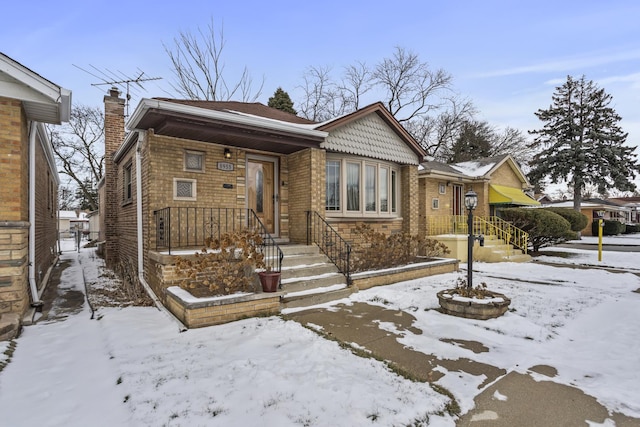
{"x": 29, "y": 78}
{"x": 276, "y": 125}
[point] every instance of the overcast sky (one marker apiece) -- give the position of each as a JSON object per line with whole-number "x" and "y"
{"x": 506, "y": 56}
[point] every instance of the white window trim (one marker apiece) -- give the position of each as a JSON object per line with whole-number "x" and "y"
{"x": 184, "y": 161}
{"x": 435, "y": 203}
{"x": 127, "y": 170}
{"x": 442, "y": 189}
{"x": 194, "y": 187}
{"x": 363, "y": 213}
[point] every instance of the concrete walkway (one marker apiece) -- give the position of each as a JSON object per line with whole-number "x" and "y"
{"x": 506, "y": 399}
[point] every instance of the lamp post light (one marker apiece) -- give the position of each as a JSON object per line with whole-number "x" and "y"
{"x": 470, "y": 202}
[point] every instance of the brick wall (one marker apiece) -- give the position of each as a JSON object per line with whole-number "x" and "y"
{"x": 306, "y": 188}
{"x": 505, "y": 175}
{"x": 46, "y": 214}
{"x": 14, "y": 149}
{"x": 410, "y": 203}
{"x": 14, "y": 210}
{"x": 113, "y": 137}
{"x": 14, "y": 213}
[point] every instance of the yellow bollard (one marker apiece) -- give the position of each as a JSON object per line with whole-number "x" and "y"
{"x": 600, "y": 227}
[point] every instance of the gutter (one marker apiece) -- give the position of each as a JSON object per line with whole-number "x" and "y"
{"x": 140, "y": 237}
{"x": 147, "y": 104}
{"x": 36, "y": 301}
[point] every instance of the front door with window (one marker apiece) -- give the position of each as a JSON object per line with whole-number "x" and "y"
{"x": 457, "y": 200}
{"x": 261, "y": 190}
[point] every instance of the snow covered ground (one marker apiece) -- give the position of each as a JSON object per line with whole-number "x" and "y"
{"x": 132, "y": 366}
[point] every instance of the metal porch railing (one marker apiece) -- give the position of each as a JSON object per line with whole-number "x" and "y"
{"x": 191, "y": 227}
{"x": 330, "y": 242}
{"x": 488, "y": 226}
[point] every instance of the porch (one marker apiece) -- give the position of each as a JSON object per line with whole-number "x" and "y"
{"x": 502, "y": 241}
{"x": 312, "y": 273}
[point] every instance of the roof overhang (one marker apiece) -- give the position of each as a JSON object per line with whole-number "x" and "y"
{"x": 223, "y": 127}
{"x": 501, "y": 195}
{"x": 43, "y": 101}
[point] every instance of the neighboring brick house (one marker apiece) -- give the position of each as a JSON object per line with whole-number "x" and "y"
{"x": 498, "y": 181}
{"x": 28, "y": 200}
{"x": 178, "y": 154}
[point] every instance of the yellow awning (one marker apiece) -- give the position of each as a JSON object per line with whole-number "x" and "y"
{"x": 501, "y": 195}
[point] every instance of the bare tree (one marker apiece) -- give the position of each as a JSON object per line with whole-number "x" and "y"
{"x": 412, "y": 88}
{"x": 512, "y": 141}
{"x": 199, "y": 68}
{"x": 438, "y": 134}
{"x": 79, "y": 149}
{"x": 321, "y": 100}
{"x": 356, "y": 82}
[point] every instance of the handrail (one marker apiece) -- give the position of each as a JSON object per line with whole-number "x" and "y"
{"x": 492, "y": 225}
{"x": 192, "y": 227}
{"x": 338, "y": 250}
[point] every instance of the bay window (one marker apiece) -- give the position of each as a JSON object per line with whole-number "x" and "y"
{"x": 369, "y": 187}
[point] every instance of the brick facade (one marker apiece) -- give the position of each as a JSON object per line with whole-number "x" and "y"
{"x": 14, "y": 210}
{"x": 113, "y": 137}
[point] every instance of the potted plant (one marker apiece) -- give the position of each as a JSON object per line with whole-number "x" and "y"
{"x": 269, "y": 279}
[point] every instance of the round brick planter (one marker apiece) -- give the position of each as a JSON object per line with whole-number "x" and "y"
{"x": 494, "y": 305}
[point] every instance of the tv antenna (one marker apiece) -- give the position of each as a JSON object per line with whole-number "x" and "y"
{"x": 118, "y": 79}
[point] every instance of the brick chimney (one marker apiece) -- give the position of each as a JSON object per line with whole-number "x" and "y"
{"x": 113, "y": 137}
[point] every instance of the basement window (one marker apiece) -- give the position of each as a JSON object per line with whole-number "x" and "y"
{"x": 184, "y": 189}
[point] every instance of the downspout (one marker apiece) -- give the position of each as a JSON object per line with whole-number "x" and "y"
{"x": 140, "y": 236}
{"x": 36, "y": 301}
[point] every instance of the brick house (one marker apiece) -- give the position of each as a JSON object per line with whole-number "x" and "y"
{"x": 28, "y": 200}
{"x": 498, "y": 181}
{"x": 187, "y": 166}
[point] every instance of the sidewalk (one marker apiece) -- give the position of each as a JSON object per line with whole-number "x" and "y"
{"x": 47, "y": 373}
{"x": 505, "y": 398}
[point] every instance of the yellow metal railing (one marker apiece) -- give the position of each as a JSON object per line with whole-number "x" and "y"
{"x": 487, "y": 226}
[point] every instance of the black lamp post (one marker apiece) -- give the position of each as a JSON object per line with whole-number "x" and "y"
{"x": 470, "y": 202}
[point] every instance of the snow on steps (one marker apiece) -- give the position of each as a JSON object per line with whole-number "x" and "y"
{"x": 309, "y": 277}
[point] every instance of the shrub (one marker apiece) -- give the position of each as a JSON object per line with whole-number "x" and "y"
{"x": 377, "y": 250}
{"x": 545, "y": 228}
{"x": 224, "y": 267}
{"x": 578, "y": 220}
{"x": 632, "y": 228}
{"x": 611, "y": 227}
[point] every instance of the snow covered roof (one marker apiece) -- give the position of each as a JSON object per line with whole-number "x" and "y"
{"x": 73, "y": 215}
{"x": 481, "y": 168}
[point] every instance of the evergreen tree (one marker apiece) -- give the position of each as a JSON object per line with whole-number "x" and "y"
{"x": 473, "y": 142}
{"x": 581, "y": 142}
{"x": 282, "y": 101}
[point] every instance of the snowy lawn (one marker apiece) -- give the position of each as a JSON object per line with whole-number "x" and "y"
{"x": 131, "y": 366}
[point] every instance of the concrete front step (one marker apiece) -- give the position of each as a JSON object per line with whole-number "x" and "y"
{"x": 518, "y": 258}
{"x": 306, "y": 270}
{"x": 9, "y": 326}
{"x": 298, "y": 284}
{"x": 317, "y": 296}
{"x": 309, "y": 277}
{"x": 302, "y": 260}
